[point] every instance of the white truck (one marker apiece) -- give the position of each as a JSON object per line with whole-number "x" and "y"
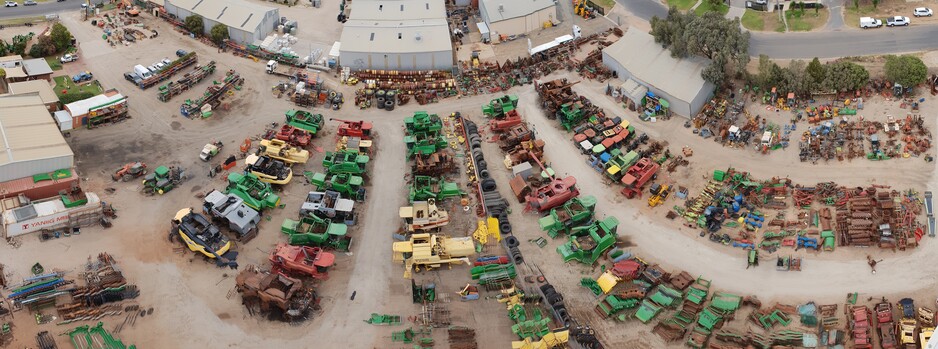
{"x": 210, "y": 150}
{"x": 870, "y": 22}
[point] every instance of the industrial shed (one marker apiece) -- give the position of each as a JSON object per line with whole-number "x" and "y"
{"x": 515, "y": 17}
{"x": 30, "y": 141}
{"x": 40, "y": 87}
{"x": 397, "y": 35}
{"x": 247, "y": 22}
{"x": 637, "y": 57}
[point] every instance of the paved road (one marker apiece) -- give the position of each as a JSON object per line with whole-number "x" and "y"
{"x": 819, "y": 44}
{"x": 43, "y": 8}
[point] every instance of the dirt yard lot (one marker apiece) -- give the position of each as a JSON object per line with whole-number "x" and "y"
{"x": 194, "y": 302}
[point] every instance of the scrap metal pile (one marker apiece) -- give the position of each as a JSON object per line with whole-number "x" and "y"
{"x": 851, "y": 139}
{"x": 212, "y": 97}
{"x": 103, "y": 283}
{"x": 722, "y": 120}
{"x": 424, "y": 86}
{"x": 274, "y": 292}
{"x": 610, "y": 143}
{"x": 477, "y": 78}
{"x": 864, "y": 217}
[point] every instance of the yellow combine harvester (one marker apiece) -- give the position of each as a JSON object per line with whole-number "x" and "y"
{"x": 431, "y": 251}
{"x": 280, "y": 150}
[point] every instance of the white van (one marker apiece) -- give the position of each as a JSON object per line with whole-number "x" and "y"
{"x": 142, "y": 71}
{"x": 870, "y": 22}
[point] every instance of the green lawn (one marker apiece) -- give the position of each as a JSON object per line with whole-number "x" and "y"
{"x": 753, "y": 20}
{"x": 807, "y": 20}
{"x": 705, "y": 7}
{"x": 607, "y": 4}
{"x": 54, "y": 62}
{"x": 682, "y": 5}
{"x": 64, "y": 83}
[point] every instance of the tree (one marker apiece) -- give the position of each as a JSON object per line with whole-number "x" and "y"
{"x": 711, "y": 35}
{"x": 875, "y": 3}
{"x": 194, "y": 24}
{"x": 219, "y": 33}
{"x": 715, "y": 3}
{"x": 815, "y": 73}
{"x": 44, "y": 47}
{"x": 905, "y": 70}
{"x": 3, "y": 74}
{"x": 856, "y": 4}
{"x": 61, "y": 37}
{"x": 845, "y": 76}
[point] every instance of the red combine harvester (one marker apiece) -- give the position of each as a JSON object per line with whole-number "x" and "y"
{"x": 886, "y": 326}
{"x": 511, "y": 118}
{"x": 359, "y": 129}
{"x": 554, "y": 193}
{"x": 637, "y": 175}
{"x": 302, "y": 260}
{"x": 296, "y": 137}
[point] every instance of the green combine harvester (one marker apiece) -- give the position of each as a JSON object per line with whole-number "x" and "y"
{"x": 500, "y": 106}
{"x": 305, "y": 120}
{"x": 314, "y": 231}
{"x": 256, "y": 194}
{"x": 588, "y": 243}
{"x": 426, "y": 187}
{"x": 423, "y": 122}
{"x": 574, "y": 213}
{"x": 345, "y": 162}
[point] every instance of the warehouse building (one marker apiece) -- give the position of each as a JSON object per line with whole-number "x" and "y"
{"x": 397, "y": 35}
{"x": 30, "y": 141}
{"x": 505, "y": 18}
{"x": 247, "y": 22}
{"x": 647, "y": 67}
{"x": 37, "y": 68}
{"x": 38, "y": 87}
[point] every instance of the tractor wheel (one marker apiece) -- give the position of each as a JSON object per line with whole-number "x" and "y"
{"x": 159, "y": 191}
{"x": 481, "y": 164}
{"x": 126, "y": 177}
{"x": 484, "y": 174}
{"x": 489, "y": 184}
{"x": 512, "y": 241}
{"x": 505, "y": 227}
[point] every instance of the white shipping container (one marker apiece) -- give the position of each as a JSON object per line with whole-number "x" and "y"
{"x": 45, "y": 215}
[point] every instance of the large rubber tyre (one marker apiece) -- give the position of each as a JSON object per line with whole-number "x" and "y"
{"x": 505, "y": 227}
{"x": 512, "y": 241}
{"x": 481, "y": 164}
{"x": 487, "y": 185}
{"x": 484, "y": 173}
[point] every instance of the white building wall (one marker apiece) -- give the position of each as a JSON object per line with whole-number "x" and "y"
{"x": 678, "y": 106}
{"x": 22, "y": 169}
{"x": 521, "y": 25}
{"x": 441, "y": 60}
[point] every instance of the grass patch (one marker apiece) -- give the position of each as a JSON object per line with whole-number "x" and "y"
{"x": 64, "y": 84}
{"x": 682, "y": 5}
{"x": 706, "y": 6}
{"x": 753, "y": 20}
{"x": 54, "y": 62}
{"x": 22, "y": 20}
{"x": 606, "y": 4}
{"x": 806, "y": 20}
{"x": 852, "y": 15}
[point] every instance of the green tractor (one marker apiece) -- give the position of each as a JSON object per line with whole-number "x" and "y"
{"x": 305, "y": 120}
{"x": 618, "y": 165}
{"x": 163, "y": 179}
{"x": 256, "y": 194}
{"x": 500, "y": 106}
{"x": 314, "y": 231}
{"x": 570, "y": 115}
{"x": 426, "y": 187}
{"x": 423, "y": 122}
{"x": 589, "y": 242}
{"x": 574, "y": 213}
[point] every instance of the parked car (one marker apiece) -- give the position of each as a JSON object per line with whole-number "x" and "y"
{"x": 870, "y": 22}
{"x": 68, "y": 57}
{"x": 897, "y": 21}
{"x": 166, "y": 61}
{"x": 83, "y": 76}
{"x": 29, "y": 3}
{"x": 180, "y": 53}
{"x": 59, "y": 0}
{"x": 10, "y": 4}
{"x": 922, "y": 12}
{"x": 132, "y": 77}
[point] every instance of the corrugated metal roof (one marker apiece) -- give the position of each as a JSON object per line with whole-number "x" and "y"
{"x": 397, "y": 10}
{"x": 402, "y": 37}
{"x": 36, "y": 66}
{"x": 648, "y": 61}
{"x": 11, "y": 58}
{"x": 35, "y": 86}
{"x": 381, "y": 26}
{"x": 500, "y": 10}
{"x": 83, "y": 106}
{"x": 27, "y": 131}
{"x": 233, "y": 13}
{"x": 15, "y": 72}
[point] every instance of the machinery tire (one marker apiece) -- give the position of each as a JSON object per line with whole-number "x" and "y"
{"x": 484, "y": 173}
{"x": 494, "y": 211}
{"x": 481, "y": 164}
{"x": 546, "y": 287}
{"x": 487, "y": 185}
{"x": 475, "y": 145}
{"x": 516, "y": 256}
{"x": 555, "y": 298}
{"x": 380, "y": 100}
{"x": 512, "y": 242}
{"x": 389, "y": 106}
{"x": 505, "y": 227}
{"x": 503, "y": 217}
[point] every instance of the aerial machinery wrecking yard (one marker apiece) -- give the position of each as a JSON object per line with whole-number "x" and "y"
{"x": 525, "y": 175}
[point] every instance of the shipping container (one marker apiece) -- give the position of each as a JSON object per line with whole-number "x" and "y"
{"x": 37, "y": 190}
{"x": 50, "y": 215}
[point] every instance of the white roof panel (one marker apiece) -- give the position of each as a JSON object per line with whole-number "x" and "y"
{"x": 499, "y": 10}
{"x": 651, "y": 63}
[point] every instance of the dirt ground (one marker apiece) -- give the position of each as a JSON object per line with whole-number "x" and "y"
{"x": 184, "y": 290}
{"x": 885, "y": 9}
